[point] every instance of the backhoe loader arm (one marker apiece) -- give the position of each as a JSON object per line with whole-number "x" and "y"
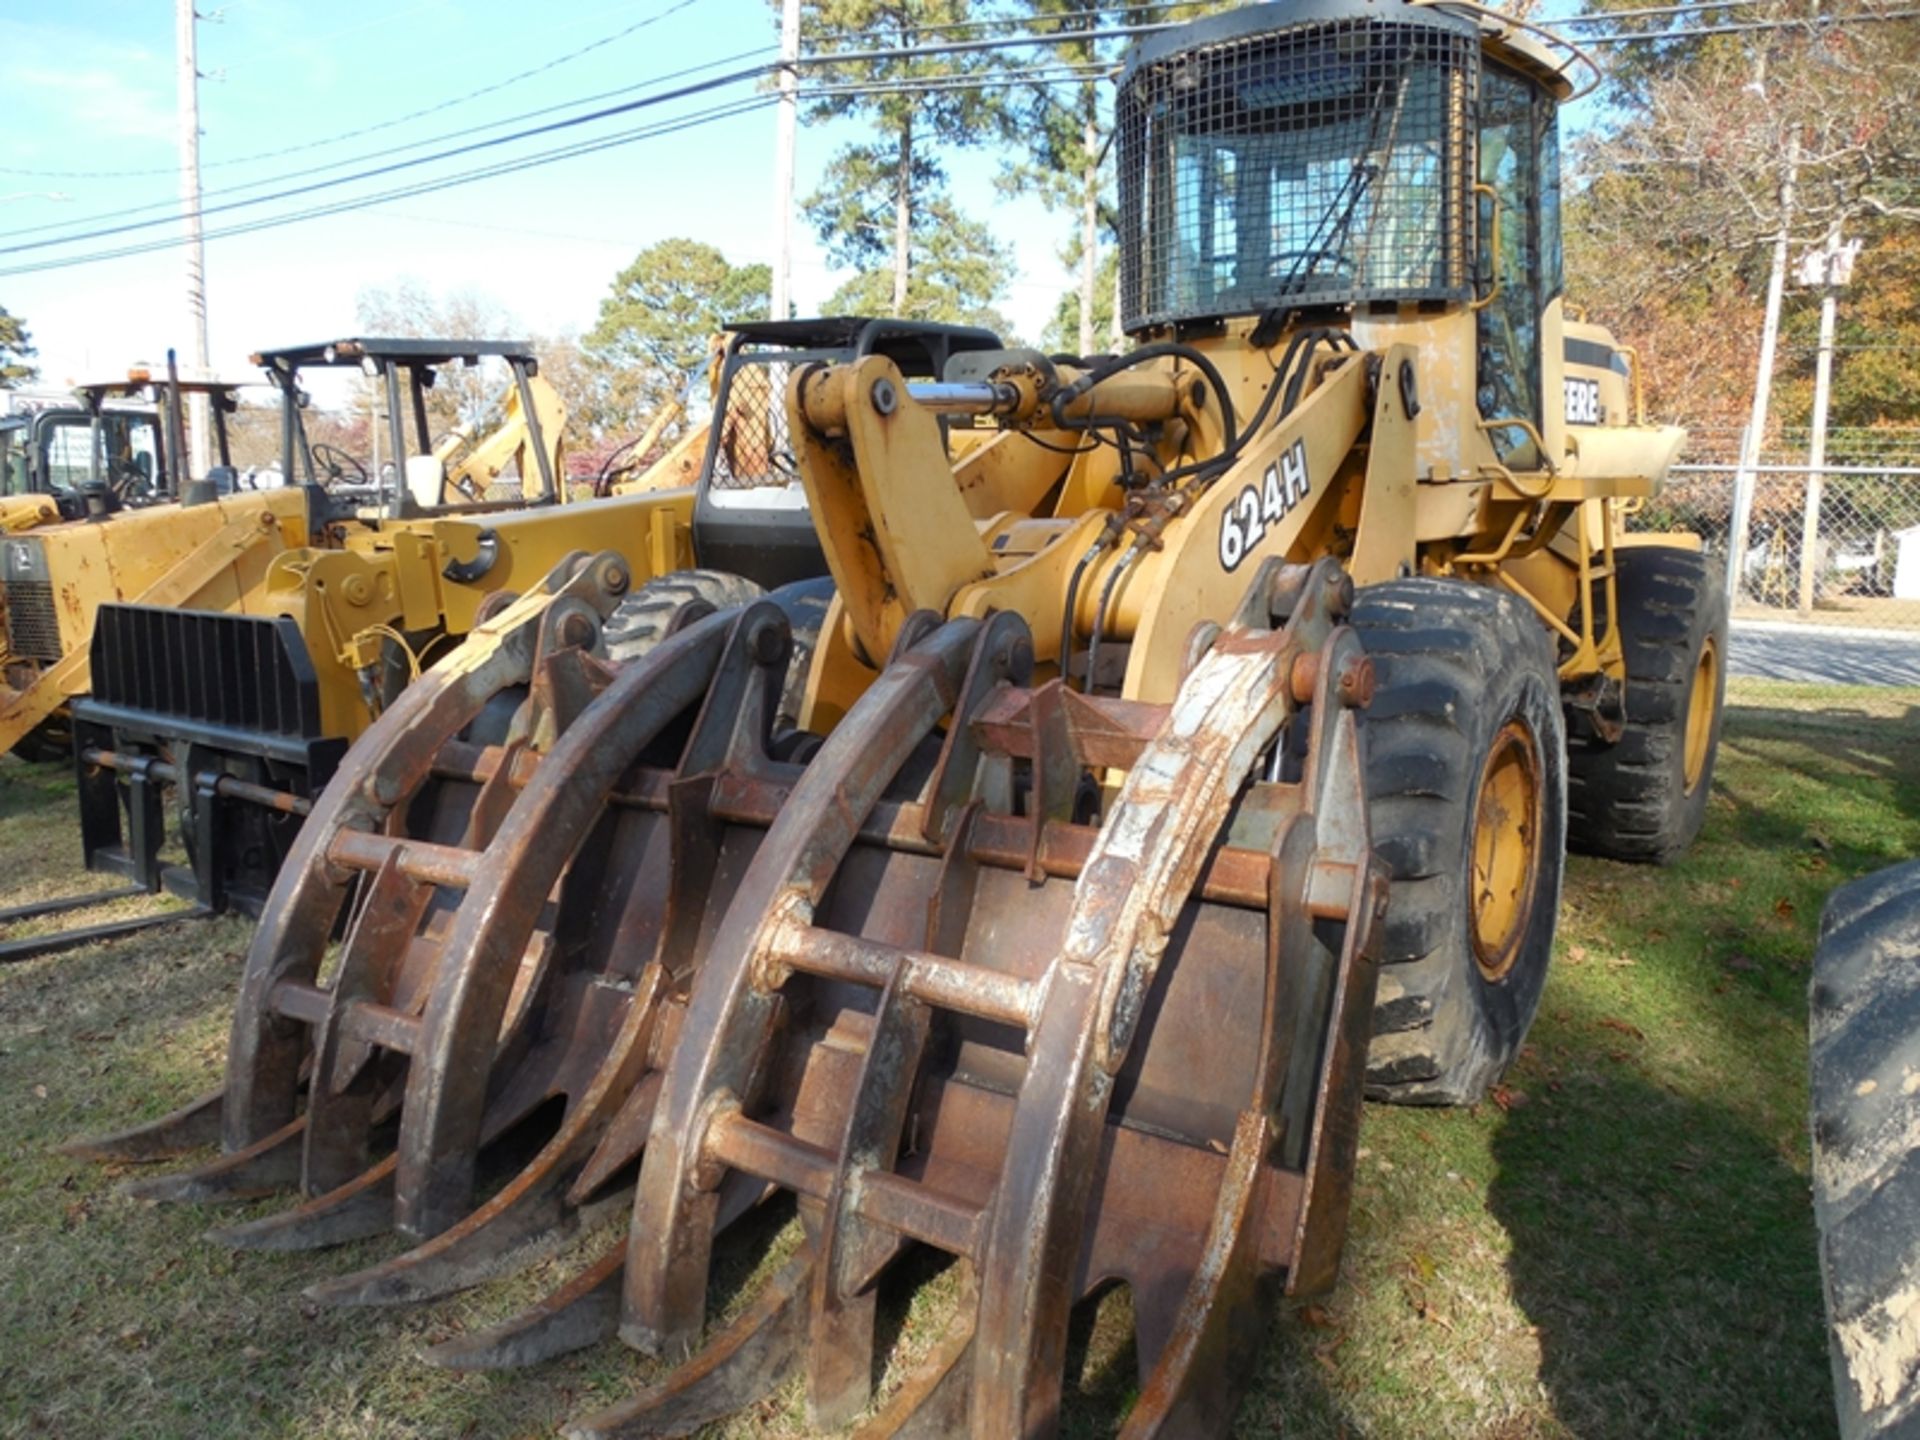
{"x": 482, "y": 465}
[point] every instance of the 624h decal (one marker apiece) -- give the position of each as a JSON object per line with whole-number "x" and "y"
{"x": 1243, "y": 524}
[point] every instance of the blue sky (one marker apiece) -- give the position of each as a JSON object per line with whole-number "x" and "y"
{"x": 90, "y": 86}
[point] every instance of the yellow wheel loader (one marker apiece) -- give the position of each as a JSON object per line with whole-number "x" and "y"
{"x": 1184, "y": 752}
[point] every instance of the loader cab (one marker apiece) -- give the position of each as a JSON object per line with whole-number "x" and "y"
{"x": 143, "y": 460}
{"x": 68, "y": 452}
{"x": 404, "y": 471}
{"x": 1383, "y": 167}
{"x": 750, "y": 511}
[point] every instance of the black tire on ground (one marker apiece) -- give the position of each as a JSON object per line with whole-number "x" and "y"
{"x": 1466, "y": 708}
{"x": 48, "y": 743}
{"x": 1644, "y": 797}
{"x": 1864, "y": 1033}
{"x": 647, "y": 615}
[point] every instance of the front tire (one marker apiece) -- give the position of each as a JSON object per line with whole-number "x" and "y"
{"x": 1466, "y": 779}
{"x": 1864, "y": 1052}
{"x": 1643, "y": 798}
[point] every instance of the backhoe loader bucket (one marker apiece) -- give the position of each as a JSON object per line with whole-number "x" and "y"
{"x": 913, "y": 986}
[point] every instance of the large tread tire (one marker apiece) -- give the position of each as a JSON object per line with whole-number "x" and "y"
{"x": 1630, "y": 800}
{"x": 650, "y": 612}
{"x": 1457, "y": 667}
{"x": 653, "y": 610}
{"x": 1864, "y": 1034}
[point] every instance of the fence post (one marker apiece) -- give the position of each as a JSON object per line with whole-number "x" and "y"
{"x": 1743, "y": 478}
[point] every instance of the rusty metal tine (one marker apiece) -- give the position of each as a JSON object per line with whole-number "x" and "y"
{"x": 446, "y": 1084}
{"x": 841, "y": 1315}
{"x": 345, "y": 1083}
{"x": 192, "y": 1126}
{"x": 746, "y": 1362}
{"x": 534, "y": 1203}
{"x": 621, "y": 1143}
{"x": 1194, "y": 1385}
{"x": 932, "y": 1402}
{"x": 495, "y": 798}
{"x": 851, "y": 1247}
{"x": 1168, "y": 815}
{"x": 269, "y": 1164}
{"x": 583, "y": 1312}
{"x": 388, "y": 764}
{"x": 731, "y": 1005}
{"x": 360, "y": 1208}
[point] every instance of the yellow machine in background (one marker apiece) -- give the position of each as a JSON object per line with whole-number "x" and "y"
{"x": 154, "y": 536}
{"x": 234, "y": 682}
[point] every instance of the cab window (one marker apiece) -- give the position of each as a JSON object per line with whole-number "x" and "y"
{"x": 1520, "y": 163}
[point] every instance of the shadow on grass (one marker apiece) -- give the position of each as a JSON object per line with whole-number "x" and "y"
{"x": 1665, "y": 1254}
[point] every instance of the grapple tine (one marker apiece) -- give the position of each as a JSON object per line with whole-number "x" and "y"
{"x": 732, "y": 1005}
{"x": 580, "y": 1313}
{"x": 192, "y": 1126}
{"x": 354, "y": 1211}
{"x": 270, "y": 1164}
{"x": 746, "y": 1362}
{"x": 447, "y": 1085}
{"x": 585, "y": 1309}
{"x": 535, "y": 1205}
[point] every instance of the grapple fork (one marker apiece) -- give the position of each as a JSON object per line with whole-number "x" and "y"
{"x": 1064, "y": 1053}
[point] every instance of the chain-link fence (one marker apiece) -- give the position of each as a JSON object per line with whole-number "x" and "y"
{"x": 1823, "y": 564}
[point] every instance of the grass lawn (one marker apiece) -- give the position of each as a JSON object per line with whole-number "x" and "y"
{"x": 1620, "y": 1244}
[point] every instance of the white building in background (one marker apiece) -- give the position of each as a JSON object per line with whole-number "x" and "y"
{"x": 1906, "y": 563}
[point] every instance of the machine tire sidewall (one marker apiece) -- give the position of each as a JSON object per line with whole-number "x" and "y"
{"x": 1455, "y": 663}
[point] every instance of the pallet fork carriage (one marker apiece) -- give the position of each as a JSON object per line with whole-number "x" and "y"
{"x": 1184, "y": 745}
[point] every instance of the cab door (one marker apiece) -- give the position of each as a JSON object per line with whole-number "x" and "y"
{"x": 1520, "y": 264}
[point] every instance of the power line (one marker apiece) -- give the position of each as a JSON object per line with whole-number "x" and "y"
{"x": 1608, "y": 17}
{"x": 172, "y": 212}
{"x": 753, "y": 72}
{"x": 450, "y": 103}
{"x": 1811, "y": 23}
{"x": 724, "y": 111}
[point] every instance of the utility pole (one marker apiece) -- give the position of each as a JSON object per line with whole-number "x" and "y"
{"x": 1755, "y": 434}
{"x": 1829, "y": 267}
{"x": 788, "y": 126}
{"x": 184, "y": 18}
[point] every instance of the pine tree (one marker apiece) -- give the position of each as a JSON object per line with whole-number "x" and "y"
{"x": 883, "y": 203}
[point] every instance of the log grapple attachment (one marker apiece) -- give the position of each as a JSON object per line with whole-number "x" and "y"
{"x": 1075, "y": 990}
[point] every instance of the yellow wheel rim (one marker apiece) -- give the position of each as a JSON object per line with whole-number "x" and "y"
{"x": 1702, "y": 703}
{"x": 1506, "y": 848}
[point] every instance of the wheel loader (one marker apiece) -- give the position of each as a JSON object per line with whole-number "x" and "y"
{"x": 1187, "y": 749}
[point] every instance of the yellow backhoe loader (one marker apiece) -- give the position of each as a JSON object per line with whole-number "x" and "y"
{"x": 1187, "y": 749}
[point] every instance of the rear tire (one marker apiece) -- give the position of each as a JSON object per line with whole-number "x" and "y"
{"x": 654, "y": 610}
{"x": 1644, "y": 797}
{"x": 1864, "y": 1034}
{"x": 649, "y": 613}
{"x": 1466, "y": 783}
